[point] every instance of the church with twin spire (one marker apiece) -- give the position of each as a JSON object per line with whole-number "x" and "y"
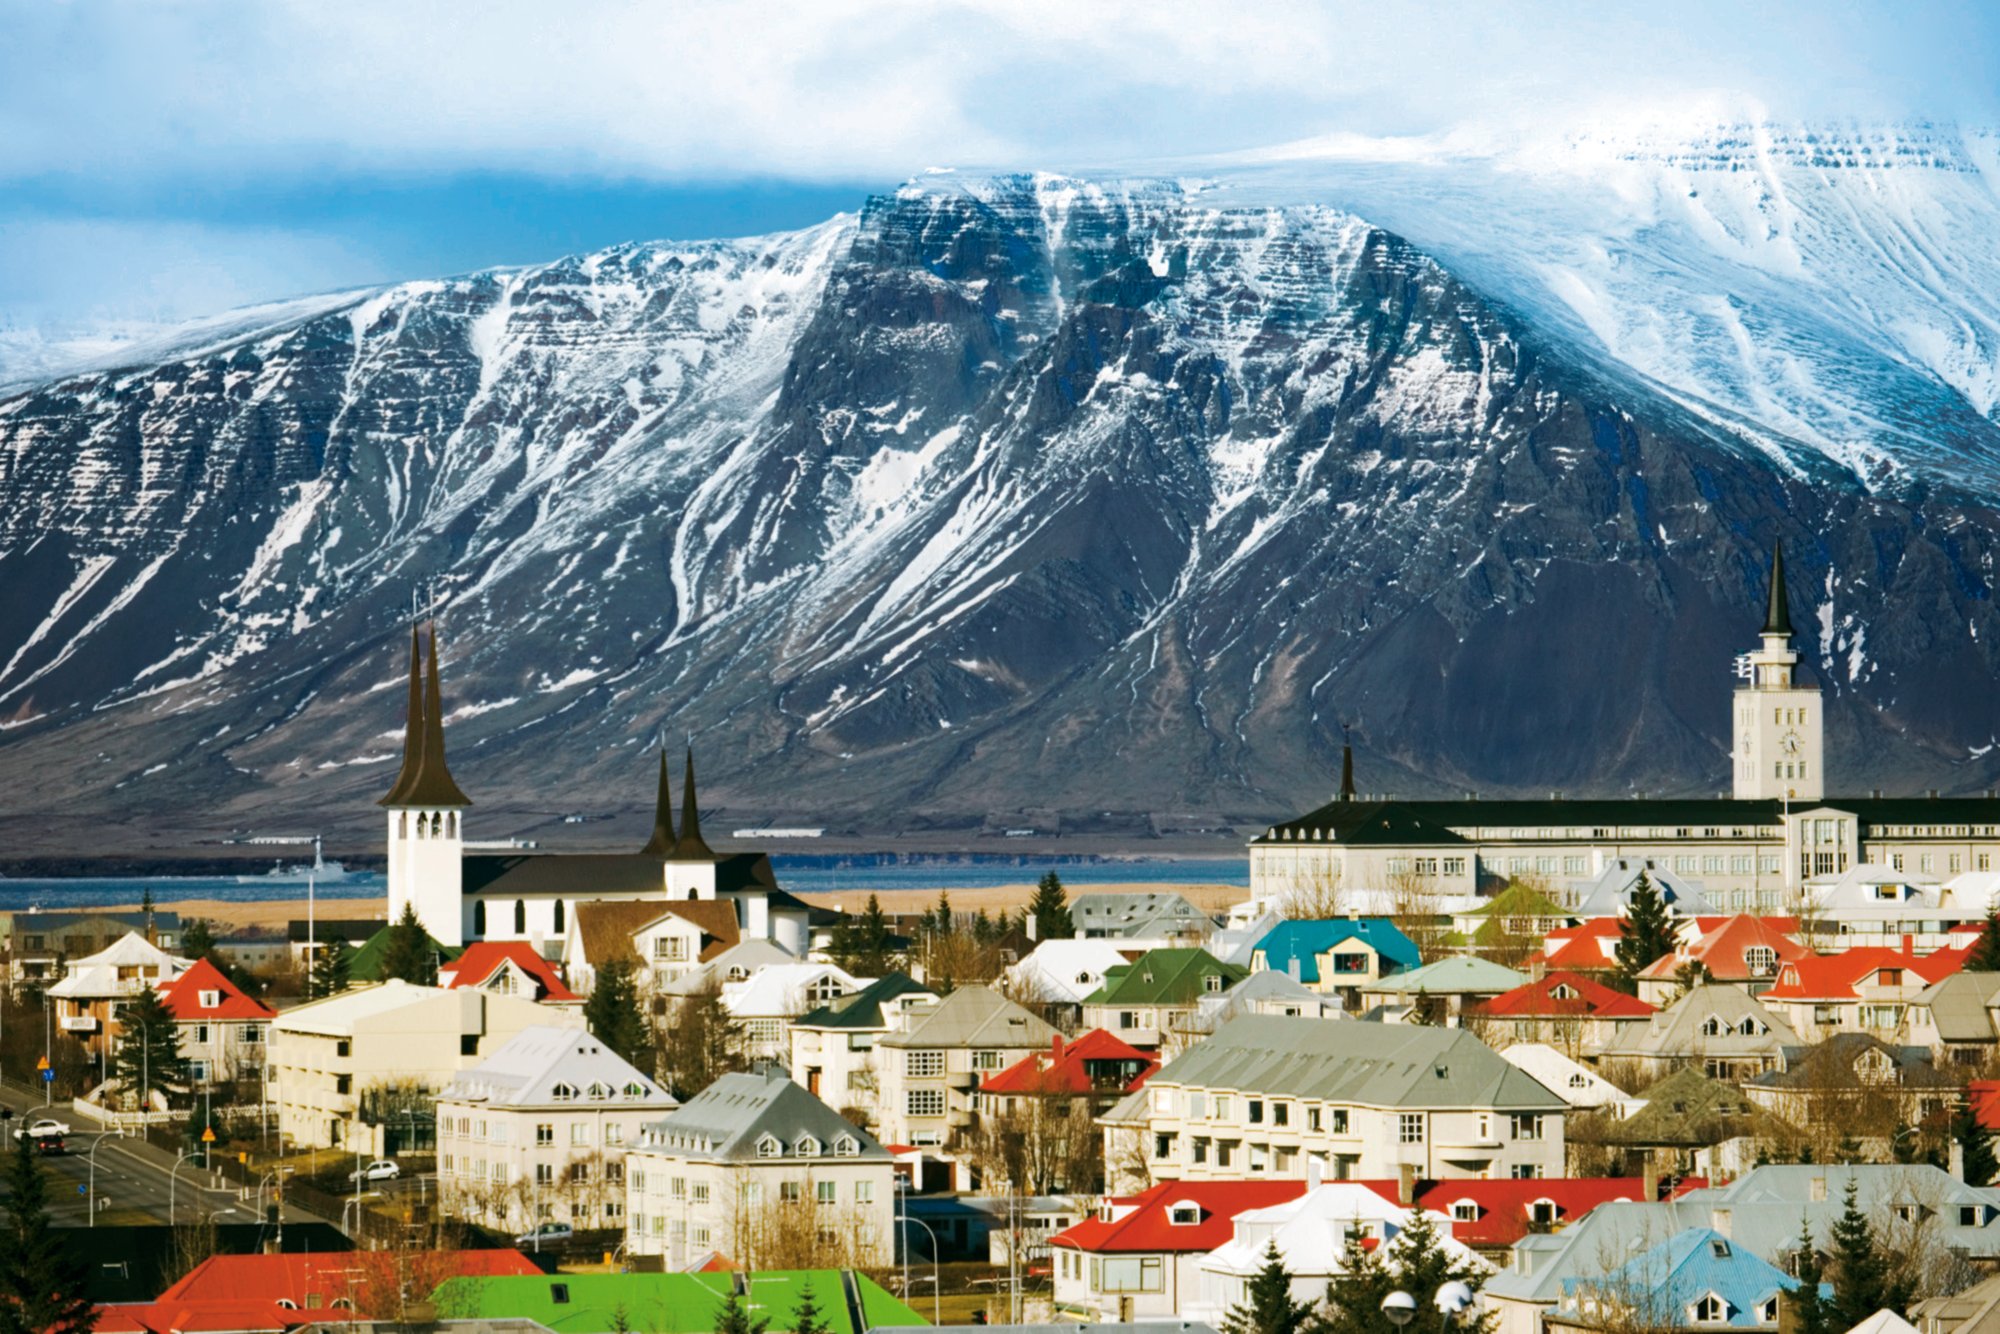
{"x": 462, "y": 896}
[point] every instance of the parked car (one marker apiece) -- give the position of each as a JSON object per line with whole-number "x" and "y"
{"x": 43, "y": 1128}
{"x": 49, "y": 1145}
{"x": 547, "y": 1232}
{"x": 380, "y": 1170}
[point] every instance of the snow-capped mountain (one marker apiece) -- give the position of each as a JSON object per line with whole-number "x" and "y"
{"x": 1100, "y": 500}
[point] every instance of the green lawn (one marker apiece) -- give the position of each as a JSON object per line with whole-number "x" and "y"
{"x": 662, "y": 1303}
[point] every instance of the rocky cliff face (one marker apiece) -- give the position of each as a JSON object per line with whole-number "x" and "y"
{"x": 1097, "y": 501}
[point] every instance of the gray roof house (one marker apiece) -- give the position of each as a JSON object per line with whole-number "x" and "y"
{"x": 974, "y": 1017}
{"x": 553, "y": 1066}
{"x": 759, "y": 1117}
{"x": 1719, "y": 1028}
{"x": 1142, "y": 916}
{"x": 1954, "y": 1017}
{"x": 1609, "y": 893}
{"x": 1277, "y": 1096}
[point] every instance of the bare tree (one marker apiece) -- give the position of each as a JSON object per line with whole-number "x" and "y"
{"x": 1312, "y": 895}
{"x": 800, "y": 1232}
{"x": 1041, "y": 1143}
{"x": 697, "y": 1040}
{"x": 1416, "y": 907}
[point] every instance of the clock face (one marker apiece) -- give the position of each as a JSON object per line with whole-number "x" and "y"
{"x": 1790, "y": 743}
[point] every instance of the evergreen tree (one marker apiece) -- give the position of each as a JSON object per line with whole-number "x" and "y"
{"x": 197, "y": 941}
{"x": 1986, "y": 954}
{"x": 331, "y": 970}
{"x": 1267, "y": 1306}
{"x": 1811, "y": 1312}
{"x": 984, "y": 929}
{"x": 149, "y": 1048}
{"x": 1422, "y": 1266}
{"x": 1426, "y": 1010}
{"x": 612, "y": 1013}
{"x": 806, "y": 1317}
{"x": 1864, "y": 1281}
{"x": 733, "y": 1319}
{"x": 1050, "y": 910}
{"x": 873, "y": 939}
{"x": 409, "y": 953}
{"x": 940, "y": 919}
{"x": 1976, "y": 1142}
{"x": 42, "y": 1277}
{"x": 1354, "y": 1297}
{"x": 1649, "y": 933}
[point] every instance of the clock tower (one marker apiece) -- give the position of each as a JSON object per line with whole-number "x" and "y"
{"x": 1778, "y": 751}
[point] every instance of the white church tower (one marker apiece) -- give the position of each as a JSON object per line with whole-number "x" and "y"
{"x": 426, "y": 843}
{"x": 1778, "y": 751}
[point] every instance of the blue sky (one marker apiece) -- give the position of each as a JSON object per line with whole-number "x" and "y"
{"x": 159, "y": 162}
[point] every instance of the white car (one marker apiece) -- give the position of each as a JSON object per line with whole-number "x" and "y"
{"x": 43, "y": 1129}
{"x": 379, "y": 1170}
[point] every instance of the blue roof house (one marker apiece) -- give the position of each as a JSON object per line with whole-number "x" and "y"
{"x": 1342, "y": 954}
{"x": 1694, "y": 1280}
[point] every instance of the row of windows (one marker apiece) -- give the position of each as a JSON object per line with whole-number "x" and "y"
{"x": 789, "y": 1192}
{"x": 520, "y": 917}
{"x": 1318, "y": 1120}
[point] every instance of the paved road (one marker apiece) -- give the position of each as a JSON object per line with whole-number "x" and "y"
{"x": 131, "y": 1177}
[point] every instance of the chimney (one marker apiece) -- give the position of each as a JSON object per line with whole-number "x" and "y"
{"x": 1649, "y": 1180}
{"x": 1406, "y": 1185}
{"x": 1028, "y": 925}
{"x": 1955, "y": 1163}
{"x": 1816, "y": 1190}
{"x": 1719, "y": 1220}
{"x": 1315, "y": 1171}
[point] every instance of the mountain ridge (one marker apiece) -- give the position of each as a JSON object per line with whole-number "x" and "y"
{"x": 995, "y": 498}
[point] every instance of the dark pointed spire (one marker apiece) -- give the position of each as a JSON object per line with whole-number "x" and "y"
{"x": 413, "y": 727}
{"x": 1346, "y": 768}
{"x": 663, "y": 840}
{"x": 433, "y": 785}
{"x": 1778, "y": 612}
{"x": 690, "y": 847}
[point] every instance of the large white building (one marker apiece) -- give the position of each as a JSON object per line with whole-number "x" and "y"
{"x": 523, "y": 895}
{"x": 1752, "y": 851}
{"x": 537, "y": 1132}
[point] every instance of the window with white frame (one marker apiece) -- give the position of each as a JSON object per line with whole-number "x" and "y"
{"x": 923, "y": 1064}
{"x": 924, "y": 1102}
{"x": 1410, "y": 1127}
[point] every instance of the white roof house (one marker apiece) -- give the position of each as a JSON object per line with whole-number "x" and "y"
{"x": 1311, "y": 1235}
{"x": 787, "y": 990}
{"x": 1063, "y": 972}
{"x": 1871, "y": 904}
{"x": 735, "y": 964}
{"x": 122, "y": 968}
{"x": 547, "y": 1066}
{"x": 1575, "y": 1084}
{"x": 1609, "y": 892}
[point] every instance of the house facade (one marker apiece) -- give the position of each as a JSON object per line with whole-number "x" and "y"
{"x": 835, "y": 1048}
{"x": 538, "y": 1131}
{"x": 929, "y": 1073}
{"x": 1279, "y": 1098}
{"x": 92, "y": 990}
{"x": 756, "y": 1168}
{"x": 222, "y": 1030}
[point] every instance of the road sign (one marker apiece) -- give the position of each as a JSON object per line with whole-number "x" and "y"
{"x": 48, "y": 1075}
{"x": 82, "y": 1189}
{"x": 42, "y": 1064}
{"x": 208, "y": 1135}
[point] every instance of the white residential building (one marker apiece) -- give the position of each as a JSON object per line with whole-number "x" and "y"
{"x": 405, "y": 1040}
{"x": 757, "y": 1168}
{"x": 765, "y": 1003}
{"x": 835, "y": 1049}
{"x": 1265, "y": 1097}
{"x": 930, "y": 1072}
{"x": 537, "y": 1132}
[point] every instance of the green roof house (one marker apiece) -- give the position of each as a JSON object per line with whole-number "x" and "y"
{"x": 671, "y": 1303}
{"x": 1147, "y": 1001}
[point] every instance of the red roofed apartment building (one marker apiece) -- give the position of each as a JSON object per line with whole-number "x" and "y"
{"x": 1568, "y": 1011}
{"x": 1743, "y": 951}
{"x": 507, "y": 968}
{"x": 222, "y": 1029}
{"x": 1139, "y": 1256}
{"x": 1867, "y": 989}
{"x": 1587, "y": 948}
{"x": 256, "y": 1294}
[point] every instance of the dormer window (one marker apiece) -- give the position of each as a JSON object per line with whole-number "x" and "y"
{"x": 1213, "y": 982}
{"x": 1718, "y": 1248}
{"x": 806, "y": 1147}
{"x": 1761, "y": 960}
{"x": 1749, "y": 1027}
{"x": 1464, "y": 1211}
{"x": 210, "y": 999}
{"x": 563, "y": 1093}
{"x": 1710, "y": 1310}
{"x": 1562, "y": 991}
{"x": 1579, "y": 1080}
{"x": 1184, "y": 1214}
{"x": 1711, "y": 1027}
{"x": 635, "y": 1090}
{"x": 846, "y": 1147}
{"x": 770, "y": 1146}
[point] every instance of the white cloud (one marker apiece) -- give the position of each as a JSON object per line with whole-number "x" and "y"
{"x": 847, "y": 87}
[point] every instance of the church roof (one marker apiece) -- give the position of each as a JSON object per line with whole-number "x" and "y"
{"x": 690, "y": 847}
{"x": 662, "y": 842}
{"x": 425, "y": 779}
{"x": 1778, "y": 608}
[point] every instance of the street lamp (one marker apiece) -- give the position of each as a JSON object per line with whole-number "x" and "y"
{"x": 173, "y": 1179}
{"x": 1452, "y": 1300}
{"x": 355, "y": 1205}
{"x": 91, "y": 1158}
{"x": 935, "y": 1288}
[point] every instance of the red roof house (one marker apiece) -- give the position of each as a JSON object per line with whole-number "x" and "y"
{"x": 1139, "y": 1254}
{"x": 1745, "y": 950}
{"x": 1564, "y": 1009}
{"x": 1094, "y": 1065}
{"x": 510, "y": 967}
{"x": 1862, "y": 990}
{"x": 1584, "y": 948}
{"x": 203, "y": 994}
{"x": 1492, "y": 1215}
